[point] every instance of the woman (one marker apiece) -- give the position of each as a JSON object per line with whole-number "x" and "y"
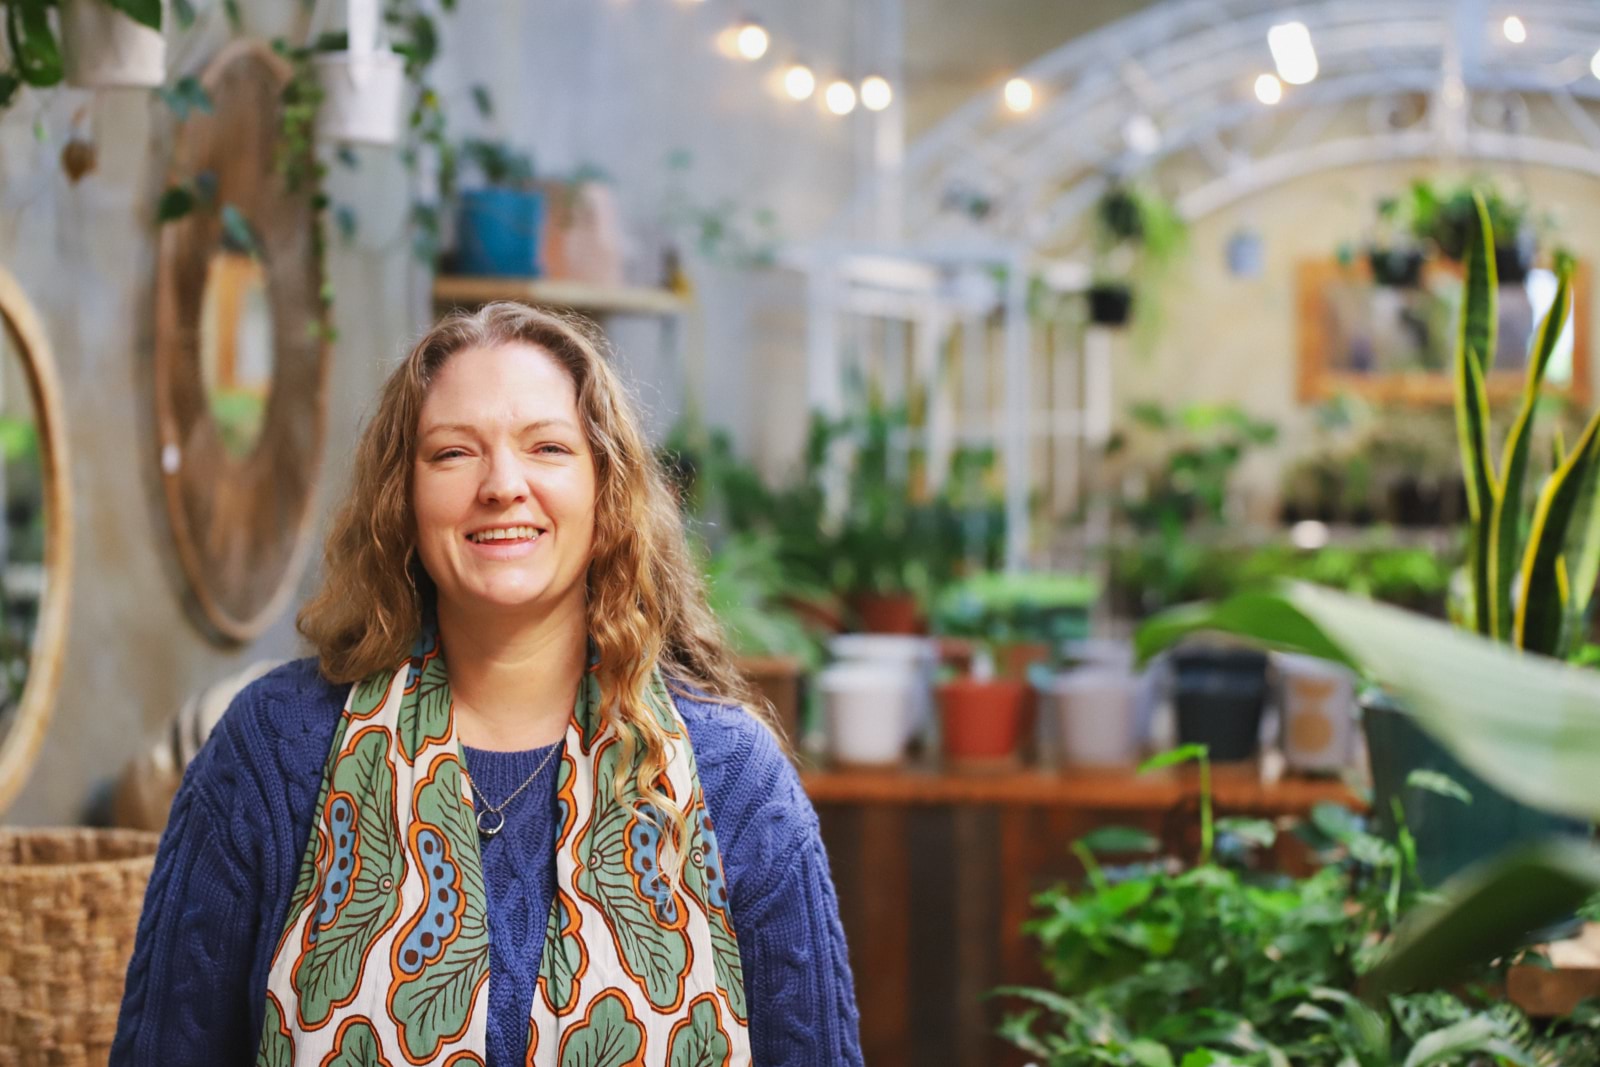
{"x": 573, "y": 845}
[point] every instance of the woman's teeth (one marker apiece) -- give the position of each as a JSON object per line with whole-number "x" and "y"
{"x": 508, "y": 533}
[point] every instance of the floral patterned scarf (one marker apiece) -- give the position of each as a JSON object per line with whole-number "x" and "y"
{"x": 385, "y": 956}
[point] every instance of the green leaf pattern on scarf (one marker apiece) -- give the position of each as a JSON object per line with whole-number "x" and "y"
{"x": 655, "y": 956}
{"x": 565, "y": 957}
{"x": 277, "y": 1047}
{"x": 609, "y": 1036}
{"x": 699, "y": 1040}
{"x": 427, "y": 718}
{"x": 434, "y": 1007}
{"x": 356, "y": 1045}
{"x": 329, "y": 970}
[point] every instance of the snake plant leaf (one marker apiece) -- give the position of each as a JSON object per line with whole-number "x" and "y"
{"x": 1541, "y": 612}
{"x": 1472, "y": 430}
{"x": 1479, "y": 314}
{"x": 1505, "y": 528}
{"x": 1485, "y": 913}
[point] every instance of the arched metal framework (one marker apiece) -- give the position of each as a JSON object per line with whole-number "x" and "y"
{"x": 1171, "y": 91}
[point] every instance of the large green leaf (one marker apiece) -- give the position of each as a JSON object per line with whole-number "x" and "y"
{"x": 1485, "y": 913}
{"x": 1504, "y": 550}
{"x": 144, "y": 12}
{"x": 1479, "y": 315}
{"x": 1528, "y": 725}
{"x": 1263, "y": 617}
{"x": 1478, "y": 1034}
{"x": 1541, "y": 615}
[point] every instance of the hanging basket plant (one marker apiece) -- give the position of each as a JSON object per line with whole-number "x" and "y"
{"x": 363, "y": 84}
{"x": 113, "y": 44}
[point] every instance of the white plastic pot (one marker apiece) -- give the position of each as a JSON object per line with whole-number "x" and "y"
{"x": 1320, "y": 724}
{"x": 363, "y": 96}
{"x": 1095, "y": 714}
{"x": 917, "y": 657}
{"x": 868, "y": 709}
{"x": 105, "y": 49}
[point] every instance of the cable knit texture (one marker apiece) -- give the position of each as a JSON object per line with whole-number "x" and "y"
{"x": 219, "y": 896}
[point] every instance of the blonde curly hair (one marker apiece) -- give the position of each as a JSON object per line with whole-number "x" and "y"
{"x": 645, "y": 596}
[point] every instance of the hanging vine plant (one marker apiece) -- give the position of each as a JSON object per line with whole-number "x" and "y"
{"x": 37, "y": 58}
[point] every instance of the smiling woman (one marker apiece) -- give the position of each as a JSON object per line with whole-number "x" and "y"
{"x": 506, "y": 593}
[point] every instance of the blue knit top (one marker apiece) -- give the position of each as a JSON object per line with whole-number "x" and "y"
{"x": 219, "y": 896}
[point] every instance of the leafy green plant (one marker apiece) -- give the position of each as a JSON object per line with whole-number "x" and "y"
{"x": 1161, "y": 964}
{"x": 34, "y": 49}
{"x": 500, "y": 165}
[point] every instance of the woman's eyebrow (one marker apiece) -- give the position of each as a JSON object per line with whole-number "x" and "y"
{"x": 468, "y": 428}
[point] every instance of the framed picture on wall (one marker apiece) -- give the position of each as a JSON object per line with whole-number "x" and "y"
{"x": 1396, "y": 344}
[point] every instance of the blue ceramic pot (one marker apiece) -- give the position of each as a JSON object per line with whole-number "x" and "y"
{"x": 498, "y": 233}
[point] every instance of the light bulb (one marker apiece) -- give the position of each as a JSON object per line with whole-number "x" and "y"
{"x": 1292, "y": 53}
{"x": 1594, "y": 65}
{"x": 840, "y": 98}
{"x": 1514, "y": 30}
{"x": 1269, "y": 90}
{"x": 752, "y": 40}
{"x": 1019, "y": 94}
{"x": 876, "y": 93}
{"x": 799, "y": 82}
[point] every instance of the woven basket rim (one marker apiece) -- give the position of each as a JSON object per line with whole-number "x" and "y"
{"x": 46, "y": 871}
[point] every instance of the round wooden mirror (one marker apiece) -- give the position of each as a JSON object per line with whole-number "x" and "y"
{"x": 35, "y": 538}
{"x": 240, "y": 364}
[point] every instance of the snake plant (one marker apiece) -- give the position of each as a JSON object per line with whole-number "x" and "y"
{"x": 1532, "y": 575}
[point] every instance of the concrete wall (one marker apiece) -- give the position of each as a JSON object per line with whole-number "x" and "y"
{"x": 615, "y": 84}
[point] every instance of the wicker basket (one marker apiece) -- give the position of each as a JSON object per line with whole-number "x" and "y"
{"x": 69, "y": 905}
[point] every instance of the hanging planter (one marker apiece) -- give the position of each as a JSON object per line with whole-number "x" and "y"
{"x": 363, "y": 88}
{"x": 1110, "y": 304}
{"x": 105, "y": 47}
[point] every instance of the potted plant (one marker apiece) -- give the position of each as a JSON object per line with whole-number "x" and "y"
{"x": 499, "y": 222}
{"x": 1394, "y": 255}
{"x": 1449, "y": 218}
{"x": 363, "y": 83}
{"x": 1136, "y": 235}
{"x": 983, "y": 720}
{"x": 112, "y": 44}
{"x": 1166, "y": 960}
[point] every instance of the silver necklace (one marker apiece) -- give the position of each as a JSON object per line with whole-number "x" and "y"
{"x": 489, "y": 827}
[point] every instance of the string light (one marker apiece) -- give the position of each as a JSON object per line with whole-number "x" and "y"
{"x": 1269, "y": 90}
{"x": 799, "y": 82}
{"x": 1514, "y": 30}
{"x": 752, "y": 40}
{"x": 1019, "y": 94}
{"x": 1594, "y": 65}
{"x": 1292, "y": 53}
{"x": 840, "y": 98}
{"x": 876, "y": 93}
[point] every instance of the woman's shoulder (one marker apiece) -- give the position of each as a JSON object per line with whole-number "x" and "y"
{"x": 285, "y": 719}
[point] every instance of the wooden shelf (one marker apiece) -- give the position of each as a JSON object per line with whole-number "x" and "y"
{"x": 466, "y": 291}
{"x": 1235, "y": 790}
{"x": 1573, "y": 977}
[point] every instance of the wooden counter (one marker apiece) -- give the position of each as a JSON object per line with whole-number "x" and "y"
{"x": 936, "y": 873}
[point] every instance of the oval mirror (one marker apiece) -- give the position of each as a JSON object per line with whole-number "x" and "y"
{"x": 35, "y": 538}
{"x": 240, "y": 359}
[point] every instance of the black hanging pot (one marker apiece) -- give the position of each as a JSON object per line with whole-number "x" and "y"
{"x": 1110, "y": 304}
{"x": 1396, "y": 268}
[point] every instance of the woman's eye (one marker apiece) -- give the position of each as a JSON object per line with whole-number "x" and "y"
{"x": 549, "y": 449}
{"x": 450, "y": 453}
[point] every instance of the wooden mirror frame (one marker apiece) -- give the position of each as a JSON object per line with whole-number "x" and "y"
{"x": 1318, "y": 380}
{"x": 19, "y": 747}
{"x": 241, "y": 525}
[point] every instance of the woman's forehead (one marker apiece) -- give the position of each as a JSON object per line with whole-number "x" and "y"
{"x": 516, "y": 383}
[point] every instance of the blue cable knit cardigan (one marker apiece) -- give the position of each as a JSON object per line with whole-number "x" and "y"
{"x": 239, "y": 825}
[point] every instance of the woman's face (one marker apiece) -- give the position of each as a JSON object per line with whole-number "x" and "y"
{"x": 503, "y": 484}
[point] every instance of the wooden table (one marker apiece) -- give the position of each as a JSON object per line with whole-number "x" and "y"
{"x": 936, "y": 873}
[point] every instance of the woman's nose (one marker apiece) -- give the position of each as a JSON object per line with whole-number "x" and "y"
{"x": 503, "y": 481}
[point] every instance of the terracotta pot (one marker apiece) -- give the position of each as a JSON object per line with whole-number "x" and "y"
{"x": 895, "y": 613}
{"x": 983, "y": 722}
{"x": 1015, "y": 659}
